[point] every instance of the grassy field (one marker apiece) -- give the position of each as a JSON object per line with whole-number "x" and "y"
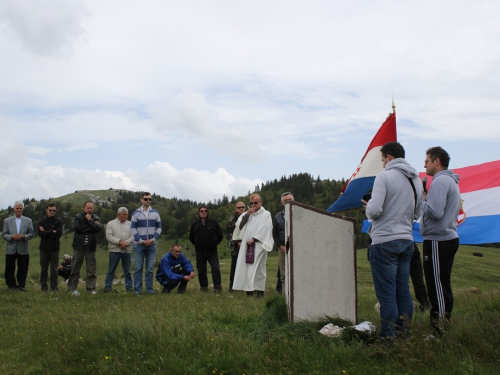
{"x": 205, "y": 333}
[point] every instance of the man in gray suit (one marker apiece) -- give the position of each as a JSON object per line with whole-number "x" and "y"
{"x": 17, "y": 231}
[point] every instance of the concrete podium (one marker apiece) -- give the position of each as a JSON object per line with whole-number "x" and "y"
{"x": 320, "y": 264}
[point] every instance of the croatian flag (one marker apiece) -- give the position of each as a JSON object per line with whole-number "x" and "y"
{"x": 479, "y": 218}
{"x": 362, "y": 179}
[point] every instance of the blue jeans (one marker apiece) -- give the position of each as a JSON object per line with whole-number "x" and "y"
{"x": 142, "y": 252}
{"x": 114, "y": 259}
{"x": 390, "y": 264}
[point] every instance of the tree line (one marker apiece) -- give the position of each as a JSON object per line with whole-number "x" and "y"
{"x": 178, "y": 214}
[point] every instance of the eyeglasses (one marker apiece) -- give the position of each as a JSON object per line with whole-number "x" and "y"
{"x": 240, "y": 207}
{"x": 201, "y": 211}
{"x": 254, "y": 202}
{"x": 146, "y": 199}
{"x": 52, "y": 210}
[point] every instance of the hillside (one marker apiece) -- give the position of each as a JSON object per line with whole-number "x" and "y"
{"x": 178, "y": 214}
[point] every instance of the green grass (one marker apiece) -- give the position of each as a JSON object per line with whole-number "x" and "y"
{"x": 205, "y": 333}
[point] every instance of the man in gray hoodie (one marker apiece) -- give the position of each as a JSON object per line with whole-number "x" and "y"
{"x": 395, "y": 204}
{"x": 438, "y": 226}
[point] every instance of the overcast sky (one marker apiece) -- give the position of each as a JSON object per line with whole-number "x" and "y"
{"x": 196, "y": 99}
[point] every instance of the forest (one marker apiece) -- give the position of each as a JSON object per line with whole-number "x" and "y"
{"x": 178, "y": 214}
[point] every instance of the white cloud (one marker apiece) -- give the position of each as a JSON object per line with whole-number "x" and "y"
{"x": 31, "y": 181}
{"x": 44, "y": 27}
{"x": 81, "y": 146}
{"x": 260, "y": 89}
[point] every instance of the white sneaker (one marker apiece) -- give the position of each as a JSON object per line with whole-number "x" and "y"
{"x": 75, "y": 293}
{"x": 93, "y": 292}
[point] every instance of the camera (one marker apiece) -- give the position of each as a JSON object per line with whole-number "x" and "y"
{"x": 367, "y": 196}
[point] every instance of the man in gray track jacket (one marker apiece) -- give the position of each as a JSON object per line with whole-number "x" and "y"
{"x": 438, "y": 226}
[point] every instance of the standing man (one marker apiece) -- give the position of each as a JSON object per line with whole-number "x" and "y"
{"x": 146, "y": 228}
{"x": 395, "y": 203}
{"x": 254, "y": 230}
{"x": 173, "y": 269}
{"x": 17, "y": 231}
{"x": 205, "y": 234}
{"x": 234, "y": 246}
{"x": 86, "y": 225}
{"x": 120, "y": 243}
{"x": 438, "y": 226}
{"x": 279, "y": 236}
{"x": 50, "y": 231}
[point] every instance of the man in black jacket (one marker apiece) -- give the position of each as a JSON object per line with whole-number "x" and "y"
{"x": 205, "y": 234}
{"x": 279, "y": 238}
{"x": 86, "y": 225}
{"x": 50, "y": 231}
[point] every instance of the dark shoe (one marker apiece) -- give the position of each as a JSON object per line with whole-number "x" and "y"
{"x": 45, "y": 289}
{"x": 181, "y": 291}
{"x": 21, "y": 288}
{"x": 165, "y": 290}
{"x": 107, "y": 290}
{"x": 260, "y": 294}
{"x": 204, "y": 288}
{"x": 217, "y": 289}
{"x": 249, "y": 294}
{"x": 54, "y": 289}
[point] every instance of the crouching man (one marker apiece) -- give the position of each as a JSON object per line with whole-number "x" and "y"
{"x": 174, "y": 268}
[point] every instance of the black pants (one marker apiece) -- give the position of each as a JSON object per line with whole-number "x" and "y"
{"x": 201, "y": 264}
{"x": 234, "y": 260}
{"x": 172, "y": 284}
{"x": 417, "y": 279}
{"x": 23, "y": 261}
{"x": 438, "y": 262}
{"x": 49, "y": 258}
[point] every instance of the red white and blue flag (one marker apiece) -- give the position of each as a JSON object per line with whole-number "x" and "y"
{"x": 479, "y": 218}
{"x": 362, "y": 179}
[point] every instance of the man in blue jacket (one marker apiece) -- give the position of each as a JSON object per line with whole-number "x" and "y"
{"x": 173, "y": 269}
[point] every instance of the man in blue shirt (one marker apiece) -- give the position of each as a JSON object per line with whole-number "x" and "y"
{"x": 173, "y": 269}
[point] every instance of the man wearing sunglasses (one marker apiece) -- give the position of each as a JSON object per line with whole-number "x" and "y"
{"x": 205, "y": 234}
{"x": 50, "y": 231}
{"x": 145, "y": 226}
{"x": 254, "y": 230}
{"x": 234, "y": 245}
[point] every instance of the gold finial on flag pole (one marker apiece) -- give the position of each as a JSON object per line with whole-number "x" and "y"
{"x": 393, "y": 106}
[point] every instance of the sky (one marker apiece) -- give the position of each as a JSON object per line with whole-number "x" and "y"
{"x": 200, "y": 99}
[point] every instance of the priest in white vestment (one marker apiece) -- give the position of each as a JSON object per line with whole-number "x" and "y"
{"x": 254, "y": 227}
